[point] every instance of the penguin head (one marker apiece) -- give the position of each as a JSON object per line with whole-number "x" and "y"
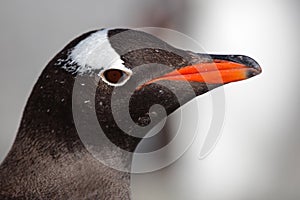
{"x": 136, "y": 79}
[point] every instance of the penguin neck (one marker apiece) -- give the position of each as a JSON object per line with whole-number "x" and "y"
{"x": 47, "y": 117}
{"x": 48, "y": 149}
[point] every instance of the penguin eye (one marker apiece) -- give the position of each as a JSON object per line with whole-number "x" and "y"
{"x": 115, "y": 76}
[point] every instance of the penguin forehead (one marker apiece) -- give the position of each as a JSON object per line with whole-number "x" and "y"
{"x": 95, "y": 53}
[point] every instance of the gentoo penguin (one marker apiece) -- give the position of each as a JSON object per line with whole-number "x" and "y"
{"x": 48, "y": 159}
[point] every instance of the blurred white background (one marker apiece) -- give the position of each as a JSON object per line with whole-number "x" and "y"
{"x": 258, "y": 155}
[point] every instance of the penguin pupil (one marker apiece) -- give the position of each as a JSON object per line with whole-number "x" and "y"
{"x": 113, "y": 75}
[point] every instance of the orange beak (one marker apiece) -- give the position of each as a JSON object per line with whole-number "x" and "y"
{"x": 220, "y": 70}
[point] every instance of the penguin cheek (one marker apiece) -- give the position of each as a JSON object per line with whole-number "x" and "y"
{"x": 151, "y": 104}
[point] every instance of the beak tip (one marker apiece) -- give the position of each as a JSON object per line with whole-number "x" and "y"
{"x": 254, "y": 67}
{"x": 254, "y": 71}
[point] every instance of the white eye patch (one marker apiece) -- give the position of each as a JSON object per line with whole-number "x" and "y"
{"x": 96, "y": 53}
{"x": 116, "y": 66}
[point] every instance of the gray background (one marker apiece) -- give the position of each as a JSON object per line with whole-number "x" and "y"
{"x": 258, "y": 154}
